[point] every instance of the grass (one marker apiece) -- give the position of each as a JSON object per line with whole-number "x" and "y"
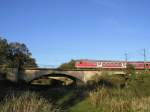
{"x": 113, "y": 100}
{"x": 41, "y": 100}
{"x": 133, "y": 98}
{"x": 26, "y": 102}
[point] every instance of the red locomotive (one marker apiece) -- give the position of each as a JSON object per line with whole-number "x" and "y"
{"x": 110, "y": 64}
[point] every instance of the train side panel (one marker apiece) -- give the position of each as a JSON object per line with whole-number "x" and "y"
{"x": 110, "y": 64}
{"x": 85, "y": 64}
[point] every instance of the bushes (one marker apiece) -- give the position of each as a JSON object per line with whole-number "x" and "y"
{"x": 106, "y": 80}
{"x": 26, "y": 102}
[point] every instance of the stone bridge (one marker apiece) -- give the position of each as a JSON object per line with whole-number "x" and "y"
{"x": 31, "y": 74}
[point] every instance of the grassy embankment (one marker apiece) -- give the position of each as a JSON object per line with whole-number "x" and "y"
{"x": 135, "y": 97}
{"x": 14, "y": 98}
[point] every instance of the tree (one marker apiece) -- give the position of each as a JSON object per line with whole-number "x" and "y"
{"x": 3, "y": 51}
{"x": 14, "y": 55}
{"x": 69, "y": 65}
{"x": 19, "y": 56}
{"x": 30, "y": 62}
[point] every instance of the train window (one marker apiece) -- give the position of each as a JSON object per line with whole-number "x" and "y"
{"x": 147, "y": 64}
{"x": 99, "y": 63}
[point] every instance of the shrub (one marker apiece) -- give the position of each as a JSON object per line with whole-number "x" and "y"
{"x": 106, "y": 80}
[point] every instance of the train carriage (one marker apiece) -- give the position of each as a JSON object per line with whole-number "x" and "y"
{"x": 106, "y": 64}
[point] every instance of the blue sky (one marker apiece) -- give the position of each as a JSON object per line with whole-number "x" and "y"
{"x": 56, "y": 31}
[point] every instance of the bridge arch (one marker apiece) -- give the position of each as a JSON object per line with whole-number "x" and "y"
{"x": 53, "y": 74}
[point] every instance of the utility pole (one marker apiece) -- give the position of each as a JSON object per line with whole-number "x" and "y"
{"x": 126, "y": 59}
{"x": 144, "y": 54}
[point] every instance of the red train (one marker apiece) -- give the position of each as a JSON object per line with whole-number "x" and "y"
{"x": 110, "y": 64}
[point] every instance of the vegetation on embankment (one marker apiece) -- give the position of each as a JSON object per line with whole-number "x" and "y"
{"x": 26, "y": 102}
{"x": 31, "y": 98}
{"x": 108, "y": 100}
{"x": 135, "y": 97}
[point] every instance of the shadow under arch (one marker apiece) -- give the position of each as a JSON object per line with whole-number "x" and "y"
{"x": 77, "y": 81}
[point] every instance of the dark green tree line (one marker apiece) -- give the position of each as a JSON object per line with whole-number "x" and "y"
{"x": 69, "y": 65}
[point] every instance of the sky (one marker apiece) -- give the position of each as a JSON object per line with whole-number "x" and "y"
{"x": 57, "y": 31}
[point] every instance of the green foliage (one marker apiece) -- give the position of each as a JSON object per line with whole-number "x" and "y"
{"x": 69, "y": 65}
{"x": 20, "y": 56}
{"x": 106, "y": 80}
{"x": 130, "y": 73}
{"x": 15, "y": 55}
{"x": 130, "y": 70}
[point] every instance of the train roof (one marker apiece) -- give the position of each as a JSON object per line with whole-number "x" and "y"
{"x": 111, "y": 61}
